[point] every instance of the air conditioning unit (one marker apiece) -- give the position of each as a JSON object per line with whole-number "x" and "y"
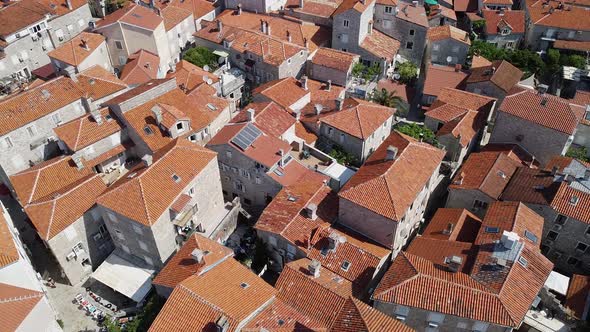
{"x": 44, "y": 48}
{"x": 70, "y": 256}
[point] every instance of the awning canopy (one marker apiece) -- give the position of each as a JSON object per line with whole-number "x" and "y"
{"x": 557, "y": 282}
{"x": 222, "y": 54}
{"x": 125, "y": 277}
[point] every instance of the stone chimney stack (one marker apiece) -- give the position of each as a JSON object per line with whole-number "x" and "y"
{"x": 314, "y": 268}
{"x": 304, "y": 82}
{"x": 329, "y": 87}
{"x": 391, "y": 153}
{"x": 251, "y": 115}
{"x": 69, "y": 4}
{"x": 197, "y": 255}
{"x": 267, "y": 27}
{"x": 311, "y": 211}
{"x": 339, "y": 104}
{"x": 239, "y": 9}
{"x": 157, "y": 112}
{"x": 288, "y": 36}
{"x": 147, "y": 160}
{"x": 262, "y": 26}
{"x": 96, "y": 116}
{"x": 219, "y": 25}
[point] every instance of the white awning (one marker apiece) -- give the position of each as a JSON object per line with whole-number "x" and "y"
{"x": 125, "y": 277}
{"x": 222, "y": 54}
{"x": 557, "y": 282}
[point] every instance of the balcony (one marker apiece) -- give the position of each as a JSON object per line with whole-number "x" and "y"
{"x": 185, "y": 216}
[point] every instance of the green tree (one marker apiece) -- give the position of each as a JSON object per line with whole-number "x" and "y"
{"x": 358, "y": 69}
{"x": 418, "y": 132}
{"x": 408, "y": 71}
{"x": 580, "y": 153}
{"x": 478, "y": 26}
{"x": 573, "y": 60}
{"x": 386, "y": 98}
{"x": 201, "y": 56}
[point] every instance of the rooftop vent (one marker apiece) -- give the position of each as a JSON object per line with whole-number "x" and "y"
{"x": 544, "y": 102}
{"x": 574, "y": 200}
{"x": 334, "y": 240}
{"x": 492, "y": 230}
{"x": 453, "y": 263}
{"x": 244, "y": 285}
{"x": 198, "y": 255}
{"x": 391, "y": 153}
{"x": 509, "y": 239}
{"x": 222, "y": 324}
{"x": 314, "y": 268}
{"x": 449, "y": 229}
{"x": 311, "y": 211}
{"x": 46, "y": 94}
{"x": 523, "y": 261}
{"x": 176, "y": 178}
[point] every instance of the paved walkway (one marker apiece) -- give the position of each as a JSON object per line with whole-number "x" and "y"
{"x": 74, "y": 317}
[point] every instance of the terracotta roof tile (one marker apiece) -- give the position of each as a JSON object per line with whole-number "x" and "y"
{"x": 439, "y": 77}
{"x": 21, "y": 14}
{"x": 556, "y": 114}
{"x": 189, "y": 76}
{"x": 33, "y": 104}
{"x": 577, "y": 295}
{"x": 335, "y": 59}
{"x": 359, "y": 118}
{"x": 285, "y": 92}
{"x": 357, "y": 5}
{"x": 581, "y": 46}
{"x": 182, "y": 265}
{"x": 581, "y": 98}
{"x": 465, "y": 128}
{"x": 502, "y": 73}
{"x": 479, "y": 61}
{"x": 448, "y": 31}
{"x": 496, "y": 20}
{"x": 465, "y": 5}
{"x": 444, "y": 11}
{"x": 323, "y": 9}
{"x": 437, "y": 250}
{"x": 272, "y": 119}
{"x": 570, "y": 17}
{"x": 98, "y": 83}
{"x": 173, "y": 16}
{"x": 230, "y": 289}
{"x": 462, "y": 100}
{"x": 8, "y": 252}
{"x": 84, "y": 131}
{"x": 465, "y": 225}
{"x": 134, "y": 15}
{"x": 488, "y": 172}
{"x": 74, "y": 51}
{"x": 280, "y": 316}
{"x": 389, "y": 187}
{"x": 141, "y": 67}
{"x": 52, "y": 215}
{"x": 305, "y": 134}
{"x": 412, "y": 14}
{"x": 380, "y": 45}
{"x": 148, "y": 194}
{"x": 358, "y": 316}
{"x": 16, "y": 304}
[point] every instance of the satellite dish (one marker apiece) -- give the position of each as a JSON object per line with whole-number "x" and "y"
{"x": 449, "y": 59}
{"x": 396, "y": 76}
{"x": 206, "y": 68}
{"x": 209, "y": 81}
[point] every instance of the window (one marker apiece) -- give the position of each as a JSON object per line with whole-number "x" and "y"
{"x": 582, "y": 247}
{"x": 477, "y": 204}
{"x": 345, "y": 23}
{"x": 239, "y": 186}
{"x": 142, "y": 245}
{"x": 122, "y": 59}
{"x": 324, "y": 251}
{"x": 102, "y": 229}
{"x": 573, "y": 261}
{"x": 258, "y": 180}
{"x": 412, "y": 32}
{"x": 118, "y": 44}
{"x": 409, "y": 45}
{"x": 247, "y": 201}
{"x": 435, "y": 47}
{"x": 179, "y": 126}
{"x": 561, "y": 219}
{"x": 388, "y": 9}
{"x": 137, "y": 229}
{"x": 191, "y": 192}
{"x": 401, "y": 312}
{"x": 342, "y": 138}
{"x": 530, "y": 236}
{"x": 78, "y": 248}
{"x": 8, "y": 142}
{"x": 492, "y": 230}
{"x": 344, "y": 38}
{"x": 148, "y": 260}
{"x": 330, "y": 131}
{"x": 552, "y": 235}
{"x": 345, "y": 266}
{"x": 175, "y": 178}
{"x": 31, "y": 131}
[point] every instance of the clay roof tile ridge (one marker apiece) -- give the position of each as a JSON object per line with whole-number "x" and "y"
{"x": 34, "y": 186}
{"x": 78, "y": 135}
{"x": 51, "y": 220}
{"x": 147, "y": 212}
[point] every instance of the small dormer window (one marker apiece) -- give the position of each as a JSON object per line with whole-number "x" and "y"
{"x": 345, "y": 266}
{"x": 505, "y": 31}
{"x": 244, "y": 285}
{"x": 176, "y": 178}
{"x": 147, "y": 130}
{"x": 179, "y": 126}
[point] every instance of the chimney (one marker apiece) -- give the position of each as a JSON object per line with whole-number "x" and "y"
{"x": 219, "y": 25}
{"x": 501, "y": 12}
{"x": 304, "y": 82}
{"x": 457, "y": 67}
{"x": 222, "y": 324}
{"x": 449, "y": 229}
{"x": 300, "y": 3}
{"x": 69, "y": 4}
{"x": 459, "y": 180}
{"x": 95, "y": 114}
{"x": 262, "y": 26}
{"x": 542, "y": 88}
{"x": 288, "y": 36}
{"x": 157, "y": 112}
{"x": 198, "y": 255}
{"x": 554, "y": 170}
{"x": 362, "y": 2}
{"x": 251, "y": 115}
{"x": 415, "y": 3}
{"x": 453, "y": 263}
{"x": 311, "y": 210}
{"x": 318, "y": 109}
{"x": 85, "y": 44}
{"x": 147, "y": 160}
{"x": 329, "y": 87}
{"x": 152, "y": 4}
{"x": 267, "y": 27}
{"x": 370, "y": 29}
{"x": 339, "y": 104}
{"x": 509, "y": 240}
{"x": 314, "y": 268}
{"x": 78, "y": 161}
{"x": 334, "y": 240}
{"x": 305, "y": 43}
{"x": 391, "y": 153}
{"x": 239, "y": 9}
{"x": 587, "y": 174}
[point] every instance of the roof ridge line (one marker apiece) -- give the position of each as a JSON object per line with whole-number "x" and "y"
{"x": 50, "y": 220}
{"x": 200, "y": 298}
{"x": 299, "y": 211}
{"x": 143, "y": 201}
{"x": 81, "y": 119}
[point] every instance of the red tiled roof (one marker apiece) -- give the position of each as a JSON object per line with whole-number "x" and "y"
{"x": 465, "y": 127}
{"x": 357, "y": 5}
{"x": 582, "y": 46}
{"x": 189, "y": 76}
{"x": 134, "y": 15}
{"x": 437, "y": 250}
{"x": 380, "y": 45}
{"x": 84, "y": 131}
{"x": 8, "y": 252}
{"x": 436, "y": 10}
{"x": 335, "y": 59}
{"x": 405, "y": 92}
{"x": 439, "y": 77}
{"x": 465, "y": 5}
{"x": 16, "y": 304}
{"x": 496, "y": 20}
{"x": 307, "y": 135}
{"x": 581, "y": 98}
{"x": 280, "y": 316}
{"x": 173, "y": 16}
{"x": 182, "y": 265}
{"x": 448, "y": 32}
{"x": 358, "y": 316}
{"x": 359, "y": 118}
{"x": 98, "y": 83}
{"x": 17, "y": 15}
{"x": 502, "y": 73}
{"x": 141, "y": 67}
{"x": 148, "y": 194}
{"x": 412, "y": 14}
{"x": 578, "y": 294}
{"x": 452, "y": 103}
{"x": 465, "y": 225}
{"x": 73, "y": 51}
{"x": 229, "y": 289}
{"x": 389, "y": 187}
{"x": 53, "y": 214}
{"x": 488, "y": 172}
{"x": 556, "y": 114}
{"x": 269, "y": 117}
{"x": 27, "y": 106}
{"x": 570, "y": 17}
{"x": 479, "y": 61}
{"x": 285, "y": 92}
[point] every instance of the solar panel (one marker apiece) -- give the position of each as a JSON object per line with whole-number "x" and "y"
{"x": 490, "y": 229}
{"x": 246, "y": 136}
